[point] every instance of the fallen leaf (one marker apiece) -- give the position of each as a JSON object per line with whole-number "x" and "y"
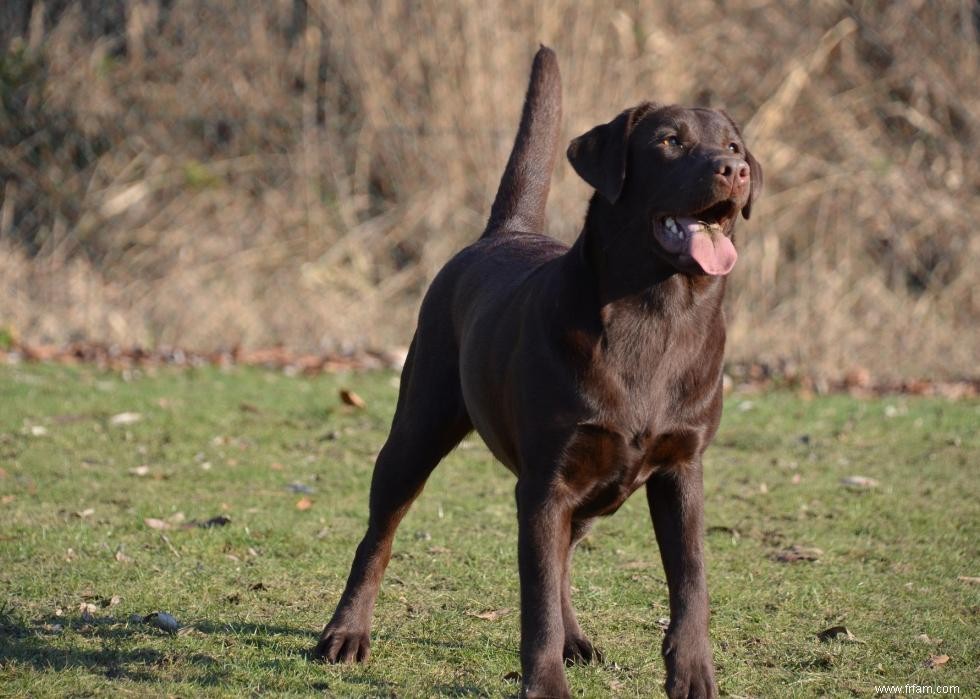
{"x": 925, "y": 638}
{"x": 154, "y": 523}
{"x": 113, "y": 601}
{"x": 796, "y": 479}
{"x": 837, "y": 633}
{"x": 87, "y": 610}
{"x": 125, "y": 418}
{"x": 350, "y": 398}
{"x": 276, "y": 466}
{"x": 7, "y": 499}
{"x": 140, "y": 470}
{"x": 249, "y": 408}
{"x": 82, "y": 514}
{"x": 859, "y": 482}
{"x": 39, "y": 430}
{"x": 304, "y": 503}
{"x": 298, "y": 487}
{"x": 616, "y": 686}
{"x": 163, "y": 621}
{"x": 794, "y": 553}
{"x": 968, "y": 579}
{"x": 935, "y": 661}
{"x": 256, "y": 587}
{"x": 664, "y": 622}
{"x": 491, "y": 614}
{"x": 439, "y": 549}
{"x": 123, "y": 558}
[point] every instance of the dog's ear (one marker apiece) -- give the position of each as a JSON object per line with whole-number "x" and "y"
{"x": 755, "y": 187}
{"x": 599, "y": 155}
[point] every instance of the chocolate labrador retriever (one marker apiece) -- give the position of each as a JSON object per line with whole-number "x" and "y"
{"x": 589, "y": 371}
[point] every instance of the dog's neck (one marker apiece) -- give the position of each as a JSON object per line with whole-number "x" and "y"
{"x": 636, "y": 305}
{"x": 629, "y": 273}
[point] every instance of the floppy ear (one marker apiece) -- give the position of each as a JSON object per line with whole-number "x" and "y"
{"x": 599, "y": 155}
{"x": 755, "y": 187}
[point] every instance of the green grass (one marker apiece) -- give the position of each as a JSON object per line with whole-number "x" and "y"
{"x": 252, "y": 595}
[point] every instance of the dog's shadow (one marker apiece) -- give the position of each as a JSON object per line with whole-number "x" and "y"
{"x": 107, "y": 647}
{"x": 108, "y": 651}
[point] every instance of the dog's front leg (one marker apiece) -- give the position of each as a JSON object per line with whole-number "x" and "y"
{"x": 544, "y": 537}
{"x": 677, "y": 507}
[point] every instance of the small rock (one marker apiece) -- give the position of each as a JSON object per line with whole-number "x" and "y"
{"x": 162, "y": 621}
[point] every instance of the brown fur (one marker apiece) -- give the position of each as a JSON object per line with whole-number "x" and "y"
{"x": 589, "y": 372}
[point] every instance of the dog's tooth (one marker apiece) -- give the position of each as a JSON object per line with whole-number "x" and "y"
{"x": 669, "y": 221}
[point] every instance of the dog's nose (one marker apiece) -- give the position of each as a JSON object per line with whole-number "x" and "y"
{"x": 735, "y": 171}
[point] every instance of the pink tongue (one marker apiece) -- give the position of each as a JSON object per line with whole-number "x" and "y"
{"x": 714, "y": 253}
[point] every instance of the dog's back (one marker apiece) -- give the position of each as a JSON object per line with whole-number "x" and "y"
{"x": 479, "y": 280}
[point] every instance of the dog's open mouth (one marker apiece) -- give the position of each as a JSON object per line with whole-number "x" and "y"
{"x": 700, "y": 237}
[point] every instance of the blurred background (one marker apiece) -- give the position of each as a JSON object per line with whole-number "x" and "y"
{"x": 211, "y": 174}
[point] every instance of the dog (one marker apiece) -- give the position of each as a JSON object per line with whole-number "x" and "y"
{"x": 589, "y": 370}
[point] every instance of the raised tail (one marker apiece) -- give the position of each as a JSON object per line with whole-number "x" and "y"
{"x": 523, "y": 190}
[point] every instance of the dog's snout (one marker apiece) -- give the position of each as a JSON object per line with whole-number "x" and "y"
{"x": 735, "y": 171}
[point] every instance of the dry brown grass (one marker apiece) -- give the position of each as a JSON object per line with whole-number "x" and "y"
{"x": 214, "y": 173}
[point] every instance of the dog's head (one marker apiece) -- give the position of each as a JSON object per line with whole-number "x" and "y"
{"x": 682, "y": 174}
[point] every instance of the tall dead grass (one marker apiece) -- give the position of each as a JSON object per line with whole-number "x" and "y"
{"x": 214, "y": 173}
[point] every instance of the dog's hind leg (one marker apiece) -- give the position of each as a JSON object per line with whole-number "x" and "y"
{"x": 430, "y": 419}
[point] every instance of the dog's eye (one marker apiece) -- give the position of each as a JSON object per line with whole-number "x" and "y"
{"x": 670, "y": 141}
{"x": 733, "y": 147}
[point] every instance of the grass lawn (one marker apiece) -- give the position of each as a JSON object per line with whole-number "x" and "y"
{"x": 99, "y": 520}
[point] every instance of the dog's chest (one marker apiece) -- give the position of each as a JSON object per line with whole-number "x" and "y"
{"x": 603, "y": 466}
{"x": 649, "y": 410}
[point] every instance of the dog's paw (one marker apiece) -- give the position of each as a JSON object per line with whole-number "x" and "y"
{"x": 553, "y": 687}
{"x": 690, "y": 671}
{"x": 579, "y": 650}
{"x": 339, "y": 645}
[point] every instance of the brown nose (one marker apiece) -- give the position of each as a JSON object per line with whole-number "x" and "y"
{"x": 735, "y": 171}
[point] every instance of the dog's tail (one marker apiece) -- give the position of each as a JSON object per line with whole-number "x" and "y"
{"x": 523, "y": 190}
